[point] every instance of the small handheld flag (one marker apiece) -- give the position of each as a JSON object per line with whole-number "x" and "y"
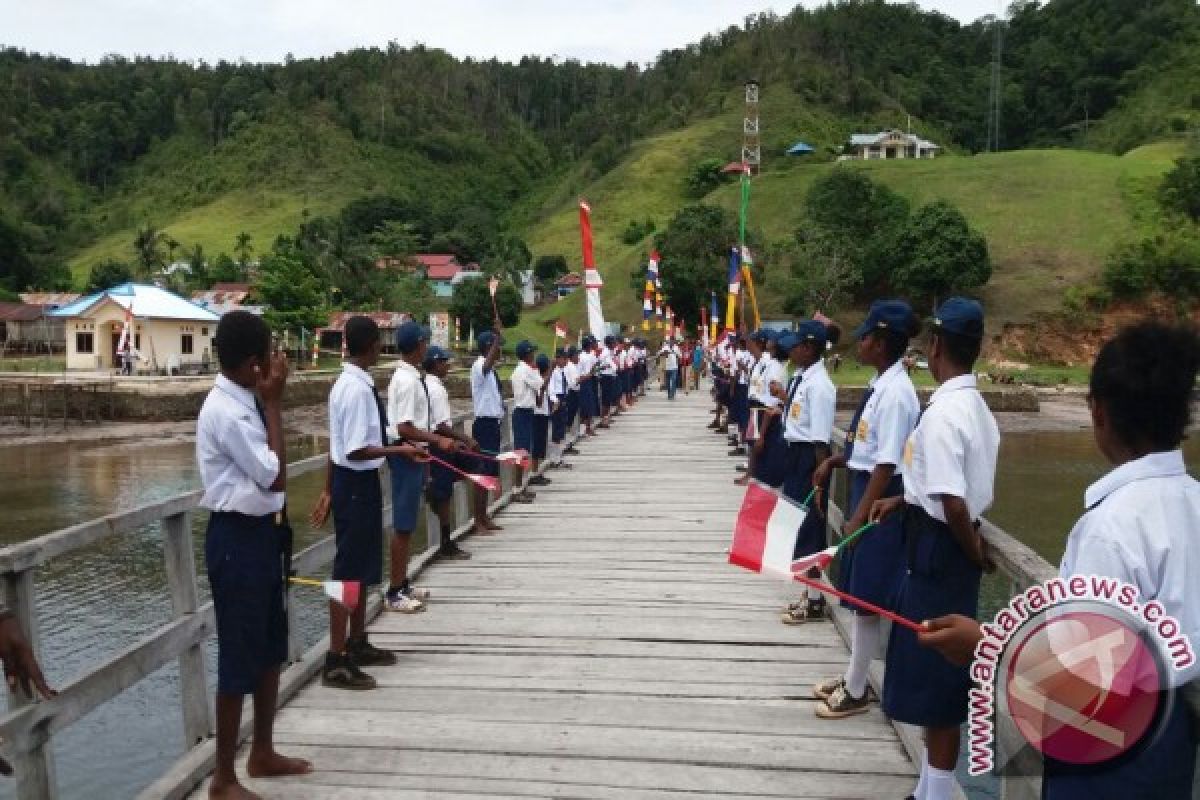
{"x": 519, "y": 458}
{"x": 493, "y": 285}
{"x": 344, "y": 593}
{"x": 489, "y": 482}
{"x": 560, "y": 330}
{"x": 859, "y": 603}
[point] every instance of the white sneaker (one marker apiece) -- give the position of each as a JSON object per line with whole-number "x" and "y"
{"x": 402, "y": 603}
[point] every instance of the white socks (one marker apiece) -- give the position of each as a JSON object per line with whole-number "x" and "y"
{"x": 863, "y": 649}
{"x": 814, "y": 594}
{"x": 923, "y": 781}
{"x": 939, "y": 784}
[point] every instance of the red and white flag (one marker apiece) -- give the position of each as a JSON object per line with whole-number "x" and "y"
{"x": 520, "y": 458}
{"x": 560, "y": 330}
{"x": 764, "y": 538}
{"x": 345, "y": 593}
{"x": 820, "y": 560}
{"x": 493, "y": 285}
{"x": 754, "y": 425}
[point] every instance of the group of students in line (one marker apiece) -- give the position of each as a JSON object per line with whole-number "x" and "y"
{"x": 925, "y": 476}
{"x": 242, "y": 457}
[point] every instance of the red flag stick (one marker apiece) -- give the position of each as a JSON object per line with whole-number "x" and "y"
{"x": 486, "y": 481}
{"x": 863, "y": 604}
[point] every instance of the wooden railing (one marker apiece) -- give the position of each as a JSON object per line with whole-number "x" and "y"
{"x": 1019, "y": 567}
{"x": 29, "y": 727}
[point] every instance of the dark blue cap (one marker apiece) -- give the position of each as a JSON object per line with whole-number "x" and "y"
{"x": 960, "y": 315}
{"x": 787, "y": 341}
{"x": 543, "y": 362}
{"x": 435, "y": 354}
{"x": 887, "y": 315}
{"x": 572, "y": 351}
{"x": 761, "y": 335}
{"x": 409, "y": 336}
{"x": 560, "y": 352}
{"x": 524, "y": 348}
{"x": 610, "y": 340}
{"x": 486, "y": 340}
{"x": 812, "y": 331}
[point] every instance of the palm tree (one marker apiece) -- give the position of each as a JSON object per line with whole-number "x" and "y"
{"x": 243, "y": 248}
{"x": 148, "y": 245}
{"x": 172, "y": 246}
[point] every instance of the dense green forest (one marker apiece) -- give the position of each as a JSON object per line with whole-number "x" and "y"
{"x": 92, "y": 150}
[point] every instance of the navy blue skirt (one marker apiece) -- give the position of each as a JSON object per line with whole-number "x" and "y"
{"x": 486, "y": 431}
{"x": 244, "y": 557}
{"x": 608, "y": 391}
{"x": 740, "y": 408}
{"x": 357, "y": 504}
{"x": 797, "y": 486}
{"x": 1163, "y": 767}
{"x": 572, "y": 407}
{"x": 771, "y": 467}
{"x": 871, "y": 567}
{"x": 522, "y": 429}
{"x": 541, "y": 433}
{"x": 589, "y": 406}
{"x": 558, "y": 423}
{"x": 919, "y": 686}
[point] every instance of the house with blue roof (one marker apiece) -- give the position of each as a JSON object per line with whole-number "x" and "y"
{"x": 888, "y": 144}
{"x": 166, "y": 332}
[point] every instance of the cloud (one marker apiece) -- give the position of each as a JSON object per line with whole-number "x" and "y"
{"x": 614, "y": 31}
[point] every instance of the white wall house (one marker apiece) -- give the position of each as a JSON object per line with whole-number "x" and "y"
{"x": 889, "y": 144}
{"x": 169, "y": 331}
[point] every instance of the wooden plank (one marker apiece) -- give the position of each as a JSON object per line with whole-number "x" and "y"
{"x": 34, "y": 765}
{"x": 185, "y": 598}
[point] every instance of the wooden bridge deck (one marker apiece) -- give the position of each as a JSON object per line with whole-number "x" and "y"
{"x": 599, "y": 647}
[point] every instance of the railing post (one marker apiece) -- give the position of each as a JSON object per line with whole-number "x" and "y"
{"x": 35, "y": 768}
{"x": 461, "y": 510}
{"x": 508, "y": 472}
{"x": 185, "y": 599}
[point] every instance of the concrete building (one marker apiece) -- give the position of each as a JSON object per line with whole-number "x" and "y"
{"x": 170, "y": 333}
{"x": 568, "y": 283}
{"x": 330, "y": 336}
{"x": 888, "y": 144}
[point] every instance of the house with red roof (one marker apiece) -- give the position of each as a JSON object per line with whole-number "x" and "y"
{"x": 568, "y": 283}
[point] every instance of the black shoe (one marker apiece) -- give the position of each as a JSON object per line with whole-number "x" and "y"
{"x": 452, "y": 552}
{"x": 365, "y": 654}
{"x": 738, "y": 451}
{"x": 740, "y": 468}
{"x": 571, "y": 450}
{"x": 539, "y": 480}
{"x": 340, "y": 672}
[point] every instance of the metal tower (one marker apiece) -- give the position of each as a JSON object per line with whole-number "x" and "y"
{"x": 751, "y": 146}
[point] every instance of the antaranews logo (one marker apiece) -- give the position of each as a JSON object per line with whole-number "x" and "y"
{"x": 1080, "y": 666}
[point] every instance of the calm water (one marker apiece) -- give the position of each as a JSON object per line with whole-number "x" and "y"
{"x": 97, "y": 602}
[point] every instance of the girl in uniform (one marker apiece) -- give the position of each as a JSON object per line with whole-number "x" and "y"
{"x": 875, "y": 443}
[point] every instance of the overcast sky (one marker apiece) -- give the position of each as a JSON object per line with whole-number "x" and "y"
{"x": 614, "y": 31}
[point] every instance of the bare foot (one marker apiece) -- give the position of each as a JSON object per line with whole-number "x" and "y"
{"x": 231, "y": 791}
{"x": 273, "y": 765}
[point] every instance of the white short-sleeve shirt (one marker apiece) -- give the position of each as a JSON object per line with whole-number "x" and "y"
{"x": 237, "y": 467}
{"x": 439, "y": 402}
{"x": 560, "y": 384}
{"x": 766, "y": 372}
{"x": 607, "y": 365}
{"x": 810, "y": 411}
{"x": 888, "y": 419}
{"x": 587, "y": 362}
{"x": 744, "y": 361}
{"x": 408, "y": 399}
{"x": 953, "y": 451}
{"x": 572, "y": 370}
{"x": 354, "y": 418}
{"x": 1141, "y": 527}
{"x": 485, "y": 391}
{"x": 526, "y": 383}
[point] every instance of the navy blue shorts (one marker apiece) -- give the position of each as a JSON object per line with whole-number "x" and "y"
{"x": 408, "y": 482}
{"x": 486, "y": 431}
{"x": 558, "y": 424}
{"x": 245, "y": 571}
{"x": 741, "y": 406}
{"x": 572, "y": 407}
{"x": 357, "y": 525}
{"x": 608, "y": 391}
{"x": 1164, "y": 766}
{"x": 522, "y": 429}
{"x": 541, "y": 434}
{"x": 442, "y": 479}
{"x": 587, "y": 399}
{"x": 919, "y": 686}
{"x": 771, "y": 467}
{"x": 596, "y": 383}
{"x": 797, "y": 486}
{"x": 871, "y": 567}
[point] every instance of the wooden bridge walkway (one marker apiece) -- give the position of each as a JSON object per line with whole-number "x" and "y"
{"x": 599, "y": 647}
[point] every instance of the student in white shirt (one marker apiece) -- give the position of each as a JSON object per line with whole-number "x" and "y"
{"x": 243, "y": 465}
{"x": 411, "y": 420}
{"x": 871, "y": 567}
{"x": 357, "y": 449}
{"x": 808, "y": 405}
{"x": 541, "y": 421}
{"x": 949, "y": 476}
{"x": 440, "y": 491}
{"x": 573, "y": 397}
{"x": 559, "y": 395}
{"x": 669, "y": 355}
{"x": 609, "y": 397}
{"x": 1139, "y": 527}
{"x": 488, "y": 404}
{"x": 766, "y": 455}
{"x": 526, "y": 386}
{"x": 589, "y": 398}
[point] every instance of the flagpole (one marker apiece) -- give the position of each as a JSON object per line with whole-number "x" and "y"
{"x": 859, "y": 603}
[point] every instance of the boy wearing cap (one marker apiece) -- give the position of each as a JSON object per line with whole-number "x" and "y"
{"x": 809, "y": 406}
{"x": 441, "y": 480}
{"x": 527, "y": 385}
{"x": 740, "y": 363}
{"x": 871, "y": 567}
{"x": 572, "y": 372}
{"x": 560, "y": 392}
{"x": 541, "y": 421}
{"x": 487, "y": 402}
{"x": 608, "y": 381}
{"x": 410, "y": 412}
{"x": 768, "y": 374}
{"x": 358, "y": 448}
{"x": 589, "y": 408}
{"x": 949, "y": 472}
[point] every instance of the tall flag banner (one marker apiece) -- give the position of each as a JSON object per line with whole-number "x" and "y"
{"x": 591, "y": 277}
{"x": 704, "y": 326}
{"x": 126, "y": 329}
{"x": 658, "y": 309}
{"x": 735, "y": 286}
{"x": 714, "y": 314}
{"x": 651, "y": 290}
{"x": 747, "y": 260}
{"x": 748, "y": 279}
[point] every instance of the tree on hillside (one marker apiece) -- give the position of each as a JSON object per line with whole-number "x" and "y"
{"x": 17, "y": 270}
{"x": 861, "y": 219}
{"x": 509, "y": 258}
{"x": 550, "y": 268}
{"x": 703, "y": 177}
{"x": 394, "y": 239}
{"x": 821, "y": 275}
{"x": 108, "y": 274}
{"x": 172, "y": 245}
{"x": 1180, "y": 189}
{"x": 938, "y": 253}
{"x": 243, "y": 247}
{"x": 197, "y": 267}
{"x": 293, "y": 295}
{"x": 225, "y": 270}
{"x": 473, "y": 303}
{"x": 694, "y": 256}
{"x": 148, "y": 246}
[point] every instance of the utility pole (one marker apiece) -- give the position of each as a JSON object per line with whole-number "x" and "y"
{"x": 751, "y": 143}
{"x": 993, "y": 133}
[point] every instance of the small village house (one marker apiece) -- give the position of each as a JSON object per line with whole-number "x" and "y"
{"x": 225, "y": 297}
{"x": 170, "y": 333}
{"x": 330, "y": 336}
{"x": 888, "y": 145}
{"x": 568, "y": 283}
{"x": 26, "y": 328}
